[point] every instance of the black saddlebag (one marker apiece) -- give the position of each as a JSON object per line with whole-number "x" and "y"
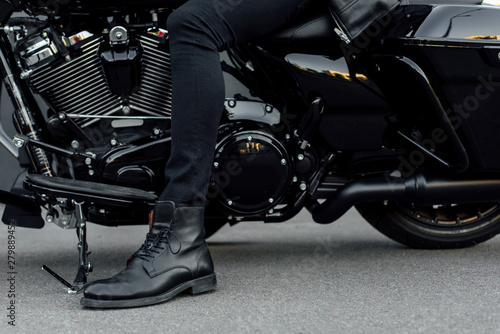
{"x": 457, "y": 47}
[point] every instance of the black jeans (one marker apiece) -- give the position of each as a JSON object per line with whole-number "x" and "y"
{"x": 198, "y": 31}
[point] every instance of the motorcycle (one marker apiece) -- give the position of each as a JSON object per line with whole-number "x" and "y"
{"x": 399, "y": 122}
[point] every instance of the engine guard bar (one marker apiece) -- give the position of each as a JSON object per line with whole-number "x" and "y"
{"x": 419, "y": 189}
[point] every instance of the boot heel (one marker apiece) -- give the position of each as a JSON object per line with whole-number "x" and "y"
{"x": 204, "y": 284}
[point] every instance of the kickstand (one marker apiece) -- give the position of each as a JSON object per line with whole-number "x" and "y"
{"x": 84, "y": 267}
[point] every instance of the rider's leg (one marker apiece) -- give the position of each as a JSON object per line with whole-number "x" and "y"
{"x": 198, "y": 31}
{"x": 175, "y": 256}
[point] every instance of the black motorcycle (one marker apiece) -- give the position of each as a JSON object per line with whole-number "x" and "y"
{"x": 401, "y": 122}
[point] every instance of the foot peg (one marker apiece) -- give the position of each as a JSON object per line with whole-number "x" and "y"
{"x": 77, "y": 196}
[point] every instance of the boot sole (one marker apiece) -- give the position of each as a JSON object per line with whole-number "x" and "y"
{"x": 196, "y": 286}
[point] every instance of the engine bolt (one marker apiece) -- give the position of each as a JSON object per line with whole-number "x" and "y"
{"x": 229, "y": 202}
{"x": 300, "y": 157}
{"x": 231, "y": 103}
{"x": 283, "y": 162}
{"x": 303, "y": 186}
{"x": 216, "y": 164}
{"x": 287, "y": 136}
{"x": 114, "y": 142}
{"x": 88, "y": 161}
{"x": 75, "y": 144}
{"x": 91, "y": 172}
{"x": 295, "y": 179}
{"x": 62, "y": 116}
{"x": 156, "y": 131}
{"x": 269, "y": 108}
{"x": 50, "y": 218}
{"x": 271, "y": 201}
{"x": 250, "y": 138}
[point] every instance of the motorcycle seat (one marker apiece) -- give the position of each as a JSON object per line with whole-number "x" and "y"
{"x": 443, "y": 2}
{"x": 87, "y": 191}
{"x": 319, "y": 27}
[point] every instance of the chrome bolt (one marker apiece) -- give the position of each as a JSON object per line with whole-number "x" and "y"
{"x": 126, "y": 110}
{"x": 88, "y": 161}
{"x": 269, "y": 108}
{"x": 271, "y": 200}
{"x": 300, "y": 157}
{"x": 91, "y": 172}
{"x": 303, "y": 186}
{"x": 216, "y": 164}
{"x": 250, "y": 138}
{"x": 229, "y": 202}
{"x": 114, "y": 142}
{"x": 119, "y": 35}
{"x": 62, "y": 117}
{"x": 19, "y": 143}
{"x": 295, "y": 179}
{"x": 156, "y": 131}
{"x": 283, "y": 162}
{"x": 231, "y": 103}
{"x": 75, "y": 144}
{"x": 49, "y": 218}
{"x": 249, "y": 66}
{"x": 287, "y": 136}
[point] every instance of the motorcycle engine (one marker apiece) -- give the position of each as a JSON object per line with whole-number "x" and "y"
{"x": 105, "y": 92}
{"x": 110, "y": 94}
{"x": 98, "y": 81}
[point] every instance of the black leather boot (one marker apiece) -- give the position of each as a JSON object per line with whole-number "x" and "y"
{"x": 174, "y": 258}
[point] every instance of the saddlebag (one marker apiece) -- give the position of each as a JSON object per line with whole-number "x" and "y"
{"x": 457, "y": 47}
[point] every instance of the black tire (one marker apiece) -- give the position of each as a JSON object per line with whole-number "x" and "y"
{"x": 434, "y": 227}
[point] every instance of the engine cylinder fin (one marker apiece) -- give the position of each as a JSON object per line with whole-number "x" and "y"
{"x": 151, "y": 108}
{"x": 98, "y": 104}
{"x": 48, "y": 82}
{"x": 79, "y": 86}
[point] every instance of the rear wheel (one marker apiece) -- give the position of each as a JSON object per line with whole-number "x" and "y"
{"x": 433, "y": 227}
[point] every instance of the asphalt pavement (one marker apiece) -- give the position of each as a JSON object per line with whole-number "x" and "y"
{"x": 294, "y": 277}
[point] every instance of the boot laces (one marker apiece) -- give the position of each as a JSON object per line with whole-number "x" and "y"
{"x": 155, "y": 242}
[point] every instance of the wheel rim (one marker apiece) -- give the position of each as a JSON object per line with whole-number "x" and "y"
{"x": 443, "y": 219}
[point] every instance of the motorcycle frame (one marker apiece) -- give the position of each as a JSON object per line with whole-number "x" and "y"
{"x": 370, "y": 60}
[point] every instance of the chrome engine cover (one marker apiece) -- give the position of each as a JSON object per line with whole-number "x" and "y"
{"x": 78, "y": 85}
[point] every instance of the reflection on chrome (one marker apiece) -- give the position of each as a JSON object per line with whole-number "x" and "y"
{"x": 484, "y": 37}
{"x": 322, "y": 65}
